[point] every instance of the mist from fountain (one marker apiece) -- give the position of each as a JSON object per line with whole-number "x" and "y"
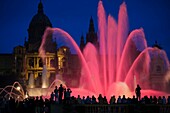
{"x": 44, "y": 77}
{"x": 31, "y": 80}
{"x": 121, "y": 58}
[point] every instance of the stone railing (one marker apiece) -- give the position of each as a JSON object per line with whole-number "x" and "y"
{"x": 124, "y": 108}
{"x": 116, "y": 108}
{"x": 97, "y": 108}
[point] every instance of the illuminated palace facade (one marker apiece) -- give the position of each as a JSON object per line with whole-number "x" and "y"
{"x": 57, "y": 61}
{"x": 25, "y": 60}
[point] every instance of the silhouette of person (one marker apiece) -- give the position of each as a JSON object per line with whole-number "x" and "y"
{"x": 41, "y": 101}
{"x": 100, "y": 99}
{"x": 61, "y": 90}
{"x": 56, "y": 93}
{"x": 138, "y": 93}
{"x": 68, "y": 95}
{"x": 52, "y": 97}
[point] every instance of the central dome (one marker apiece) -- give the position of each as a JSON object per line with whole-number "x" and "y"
{"x": 40, "y": 19}
{"x": 36, "y": 29}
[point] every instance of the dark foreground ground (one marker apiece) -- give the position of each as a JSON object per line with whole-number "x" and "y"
{"x": 97, "y": 108}
{"x": 116, "y": 108}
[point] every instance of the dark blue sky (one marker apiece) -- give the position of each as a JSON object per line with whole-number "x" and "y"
{"x": 73, "y": 16}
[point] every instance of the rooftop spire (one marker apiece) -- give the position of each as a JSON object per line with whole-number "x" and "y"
{"x": 82, "y": 38}
{"x": 91, "y": 26}
{"x": 40, "y": 7}
{"x": 82, "y": 44}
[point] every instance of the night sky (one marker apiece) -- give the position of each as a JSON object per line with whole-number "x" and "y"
{"x": 73, "y": 16}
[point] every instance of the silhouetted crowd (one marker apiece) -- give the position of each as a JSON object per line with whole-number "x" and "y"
{"x": 61, "y": 96}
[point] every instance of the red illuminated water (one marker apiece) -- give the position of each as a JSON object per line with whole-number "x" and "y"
{"x": 120, "y": 59}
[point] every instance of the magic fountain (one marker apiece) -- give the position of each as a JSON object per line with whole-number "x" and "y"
{"x": 116, "y": 67}
{"x": 14, "y": 91}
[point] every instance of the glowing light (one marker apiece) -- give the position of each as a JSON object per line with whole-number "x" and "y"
{"x": 18, "y": 88}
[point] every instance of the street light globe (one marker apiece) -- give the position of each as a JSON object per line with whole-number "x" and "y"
{"x": 18, "y": 88}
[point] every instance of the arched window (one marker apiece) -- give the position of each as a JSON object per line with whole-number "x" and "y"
{"x": 31, "y": 62}
{"x": 64, "y": 61}
{"x": 52, "y": 63}
{"x": 40, "y": 63}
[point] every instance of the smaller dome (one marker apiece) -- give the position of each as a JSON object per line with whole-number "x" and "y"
{"x": 156, "y": 45}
